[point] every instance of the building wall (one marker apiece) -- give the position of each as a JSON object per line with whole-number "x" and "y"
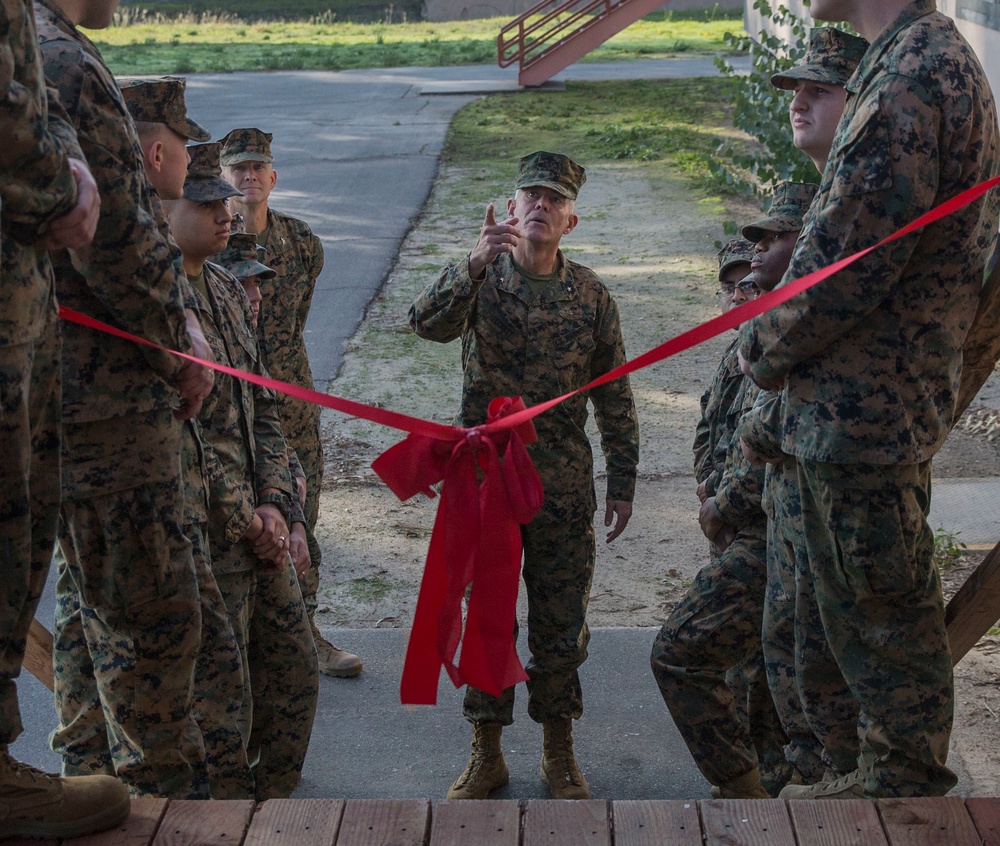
{"x": 977, "y": 20}
{"x": 452, "y": 10}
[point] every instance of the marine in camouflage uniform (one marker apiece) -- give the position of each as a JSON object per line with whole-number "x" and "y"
{"x": 240, "y": 423}
{"x": 126, "y": 559}
{"x": 41, "y": 165}
{"x": 157, "y": 105}
{"x": 871, "y": 359}
{"x": 715, "y": 630}
{"x": 538, "y": 334}
{"x": 822, "y": 734}
{"x": 295, "y": 254}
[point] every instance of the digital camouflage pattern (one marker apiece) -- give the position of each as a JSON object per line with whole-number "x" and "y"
{"x": 130, "y": 276}
{"x": 161, "y": 100}
{"x": 240, "y": 257}
{"x": 736, "y": 251}
{"x": 514, "y": 344}
{"x": 517, "y": 343}
{"x": 819, "y": 718}
{"x": 789, "y": 203}
{"x": 551, "y": 170}
{"x": 872, "y": 359}
{"x": 246, "y": 145}
{"x": 558, "y": 572}
{"x": 832, "y": 57}
{"x": 233, "y": 411}
{"x": 709, "y": 463}
{"x": 715, "y": 630}
{"x": 35, "y": 186}
{"x": 266, "y": 610}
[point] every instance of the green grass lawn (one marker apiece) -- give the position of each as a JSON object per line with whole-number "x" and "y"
{"x": 195, "y": 43}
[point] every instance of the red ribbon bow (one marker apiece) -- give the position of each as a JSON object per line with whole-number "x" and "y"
{"x": 490, "y": 488}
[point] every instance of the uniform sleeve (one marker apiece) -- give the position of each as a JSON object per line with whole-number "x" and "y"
{"x": 36, "y": 184}
{"x": 738, "y": 496}
{"x": 131, "y": 267}
{"x": 760, "y": 427}
{"x": 314, "y": 266}
{"x": 702, "y": 434}
{"x": 614, "y": 407}
{"x": 884, "y": 175}
{"x": 444, "y": 309}
{"x": 271, "y": 464}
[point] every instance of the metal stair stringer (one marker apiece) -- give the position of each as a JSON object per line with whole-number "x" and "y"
{"x": 552, "y": 35}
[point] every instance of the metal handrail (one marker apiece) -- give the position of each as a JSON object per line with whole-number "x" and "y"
{"x": 529, "y": 44}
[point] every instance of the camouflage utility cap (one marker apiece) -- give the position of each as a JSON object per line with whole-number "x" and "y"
{"x": 204, "y": 182}
{"x": 551, "y": 170}
{"x": 736, "y": 251}
{"x": 246, "y": 145}
{"x": 241, "y": 257}
{"x": 832, "y": 57}
{"x": 161, "y": 100}
{"x": 789, "y": 204}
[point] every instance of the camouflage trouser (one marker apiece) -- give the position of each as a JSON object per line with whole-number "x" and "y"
{"x": 713, "y": 630}
{"x": 307, "y": 447}
{"x": 816, "y": 708}
{"x": 128, "y": 615}
{"x": 29, "y": 500}
{"x": 274, "y": 635}
{"x": 558, "y": 571}
{"x": 82, "y": 736}
{"x": 879, "y": 598}
{"x": 219, "y": 687}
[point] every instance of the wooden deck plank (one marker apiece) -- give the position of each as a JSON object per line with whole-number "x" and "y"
{"x": 647, "y": 822}
{"x": 302, "y": 822}
{"x": 985, "y": 815}
{"x": 550, "y": 822}
{"x": 144, "y": 818}
{"x": 928, "y": 822}
{"x": 384, "y": 822}
{"x": 850, "y": 822}
{"x": 486, "y": 823}
{"x": 188, "y": 822}
{"x": 755, "y": 822}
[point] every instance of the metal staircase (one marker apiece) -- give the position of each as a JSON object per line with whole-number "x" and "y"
{"x": 552, "y": 35}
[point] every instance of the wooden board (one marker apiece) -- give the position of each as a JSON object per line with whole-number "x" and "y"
{"x": 847, "y": 822}
{"x": 985, "y": 815}
{"x": 943, "y": 821}
{"x": 552, "y": 823}
{"x": 975, "y": 609}
{"x": 192, "y": 823}
{"x": 749, "y": 822}
{"x": 485, "y": 823}
{"x": 304, "y": 822}
{"x": 385, "y": 822}
{"x": 644, "y": 822}
{"x": 38, "y": 654}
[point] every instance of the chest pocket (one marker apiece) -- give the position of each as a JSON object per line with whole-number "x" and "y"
{"x": 571, "y": 348}
{"x": 862, "y": 152}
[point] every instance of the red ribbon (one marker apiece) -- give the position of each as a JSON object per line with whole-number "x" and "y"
{"x": 475, "y": 546}
{"x": 476, "y": 538}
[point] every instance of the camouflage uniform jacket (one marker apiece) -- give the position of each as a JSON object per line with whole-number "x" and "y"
{"x": 737, "y": 499}
{"x": 296, "y": 255}
{"x": 130, "y": 276}
{"x": 517, "y": 344}
{"x": 872, "y": 356}
{"x": 35, "y": 181}
{"x": 715, "y": 405}
{"x": 239, "y": 420}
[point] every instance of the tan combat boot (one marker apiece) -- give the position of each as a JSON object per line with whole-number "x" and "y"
{"x": 559, "y": 769}
{"x": 334, "y": 661}
{"x": 486, "y": 769}
{"x": 747, "y": 786}
{"x": 36, "y": 804}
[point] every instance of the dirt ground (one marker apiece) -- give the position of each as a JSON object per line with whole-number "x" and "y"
{"x": 653, "y": 241}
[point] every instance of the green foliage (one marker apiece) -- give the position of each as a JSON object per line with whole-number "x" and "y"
{"x": 676, "y": 122}
{"x": 948, "y": 549}
{"x": 761, "y": 110}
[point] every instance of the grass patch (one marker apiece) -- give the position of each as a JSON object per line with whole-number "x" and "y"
{"x": 217, "y": 42}
{"x": 676, "y": 122}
